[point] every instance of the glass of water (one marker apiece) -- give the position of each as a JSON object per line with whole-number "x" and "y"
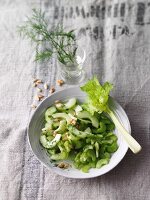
{"x": 73, "y": 73}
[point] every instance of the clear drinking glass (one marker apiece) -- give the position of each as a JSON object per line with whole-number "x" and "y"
{"x": 73, "y": 73}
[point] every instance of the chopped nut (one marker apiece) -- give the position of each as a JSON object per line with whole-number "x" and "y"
{"x": 57, "y": 120}
{"x": 73, "y": 122}
{"x": 60, "y": 82}
{"x": 63, "y": 165}
{"x": 52, "y": 90}
{"x": 45, "y": 86}
{"x": 54, "y": 133}
{"x": 39, "y": 81}
{"x": 35, "y": 80}
{"x": 65, "y": 137}
{"x": 33, "y": 106}
{"x": 39, "y": 97}
{"x": 57, "y": 101}
{"x": 39, "y": 89}
{"x": 35, "y": 84}
{"x": 59, "y": 105}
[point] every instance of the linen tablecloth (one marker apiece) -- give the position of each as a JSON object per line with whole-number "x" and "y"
{"x": 116, "y": 37}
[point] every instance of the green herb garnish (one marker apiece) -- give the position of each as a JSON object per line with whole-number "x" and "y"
{"x": 56, "y": 42}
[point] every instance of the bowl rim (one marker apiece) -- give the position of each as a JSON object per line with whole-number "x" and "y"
{"x": 53, "y": 169}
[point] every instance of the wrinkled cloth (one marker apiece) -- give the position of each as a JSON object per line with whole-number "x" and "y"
{"x": 116, "y": 37}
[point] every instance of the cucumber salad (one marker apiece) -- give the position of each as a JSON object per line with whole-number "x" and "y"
{"x": 71, "y": 132}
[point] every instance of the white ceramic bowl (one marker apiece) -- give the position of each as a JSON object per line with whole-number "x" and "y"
{"x": 37, "y": 123}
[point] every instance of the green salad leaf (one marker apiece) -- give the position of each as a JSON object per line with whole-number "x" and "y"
{"x": 97, "y": 95}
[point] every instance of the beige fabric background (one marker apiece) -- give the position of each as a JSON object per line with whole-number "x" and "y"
{"x": 116, "y": 36}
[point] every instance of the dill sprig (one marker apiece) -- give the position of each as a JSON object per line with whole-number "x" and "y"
{"x": 58, "y": 42}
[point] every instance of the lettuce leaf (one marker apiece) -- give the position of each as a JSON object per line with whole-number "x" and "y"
{"x": 97, "y": 95}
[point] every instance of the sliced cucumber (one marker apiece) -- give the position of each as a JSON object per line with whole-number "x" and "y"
{"x": 76, "y": 132}
{"x": 88, "y": 130}
{"x": 49, "y": 113}
{"x": 102, "y": 162}
{"x": 60, "y": 156}
{"x": 72, "y": 117}
{"x": 48, "y": 127}
{"x": 87, "y": 115}
{"x": 78, "y": 109}
{"x": 59, "y": 106}
{"x": 62, "y": 115}
{"x": 86, "y": 121}
{"x": 71, "y": 111}
{"x": 49, "y": 144}
{"x": 62, "y": 126}
{"x": 50, "y": 138}
{"x": 97, "y": 149}
{"x": 56, "y": 125}
{"x": 71, "y": 103}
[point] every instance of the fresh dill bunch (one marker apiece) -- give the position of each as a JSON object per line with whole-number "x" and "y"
{"x": 58, "y": 42}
